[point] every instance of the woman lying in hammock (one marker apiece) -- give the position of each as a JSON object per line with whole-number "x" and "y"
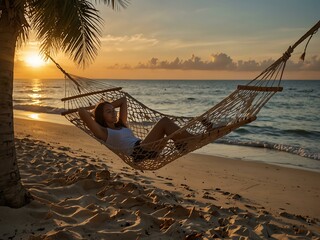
{"x": 113, "y": 129}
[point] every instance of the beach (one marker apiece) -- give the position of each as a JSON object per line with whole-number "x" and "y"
{"x": 82, "y": 190}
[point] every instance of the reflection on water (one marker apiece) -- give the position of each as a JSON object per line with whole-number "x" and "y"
{"x": 36, "y": 92}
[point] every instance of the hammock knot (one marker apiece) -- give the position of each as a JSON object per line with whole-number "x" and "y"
{"x": 287, "y": 54}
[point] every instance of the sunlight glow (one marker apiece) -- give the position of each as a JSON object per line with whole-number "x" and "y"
{"x": 35, "y": 98}
{"x": 36, "y": 92}
{"x": 34, "y": 116}
{"x": 35, "y": 61}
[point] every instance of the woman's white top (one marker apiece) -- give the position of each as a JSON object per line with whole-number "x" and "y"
{"x": 122, "y": 140}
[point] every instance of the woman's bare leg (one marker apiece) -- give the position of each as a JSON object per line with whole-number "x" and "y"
{"x": 163, "y": 128}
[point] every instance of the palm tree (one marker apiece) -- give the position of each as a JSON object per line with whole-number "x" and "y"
{"x": 72, "y": 26}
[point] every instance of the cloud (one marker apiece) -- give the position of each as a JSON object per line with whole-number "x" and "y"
{"x": 310, "y": 64}
{"x": 220, "y": 61}
{"x": 120, "y": 66}
{"x": 125, "y": 43}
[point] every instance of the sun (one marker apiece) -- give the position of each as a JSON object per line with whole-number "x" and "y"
{"x": 35, "y": 61}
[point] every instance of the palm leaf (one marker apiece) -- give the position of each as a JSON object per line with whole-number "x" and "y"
{"x": 115, "y": 4}
{"x": 72, "y": 26}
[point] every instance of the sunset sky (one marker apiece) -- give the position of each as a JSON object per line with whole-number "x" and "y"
{"x": 184, "y": 39}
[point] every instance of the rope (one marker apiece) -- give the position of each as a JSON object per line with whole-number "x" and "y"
{"x": 239, "y": 108}
{"x": 64, "y": 72}
{"x": 302, "y": 57}
{"x": 287, "y": 54}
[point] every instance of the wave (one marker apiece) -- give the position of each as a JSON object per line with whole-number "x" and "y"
{"x": 273, "y": 146}
{"x": 305, "y": 90}
{"x": 243, "y": 131}
{"x": 21, "y": 100}
{"x": 276, "y": 131}
{"x": 30, "y": 90}
{"x": 191, "y": 99}
{"x": 39, "y": 109}
{"x": 303, "y": 133}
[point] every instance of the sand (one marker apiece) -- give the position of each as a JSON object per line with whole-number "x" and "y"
{"x": 83, "y": 191}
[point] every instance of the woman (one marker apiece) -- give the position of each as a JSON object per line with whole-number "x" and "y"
{"x": 113, "y": 129}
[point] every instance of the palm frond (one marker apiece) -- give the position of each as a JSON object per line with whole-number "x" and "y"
{"x": 73, "y": 26}
{"x": 115, "y": 4}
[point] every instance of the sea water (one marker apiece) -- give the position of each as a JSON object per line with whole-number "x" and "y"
{"x": 286, "y": 132}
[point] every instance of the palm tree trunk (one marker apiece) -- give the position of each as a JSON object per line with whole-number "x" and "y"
{"x": 12, "y": 192}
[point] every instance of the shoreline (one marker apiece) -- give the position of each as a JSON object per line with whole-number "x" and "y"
{"x": 243, "y": 153}
{"x": 70, "y": 137}
{"x": 82, "y": 190}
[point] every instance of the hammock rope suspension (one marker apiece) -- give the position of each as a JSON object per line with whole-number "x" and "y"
{"x": 239, "y": 108}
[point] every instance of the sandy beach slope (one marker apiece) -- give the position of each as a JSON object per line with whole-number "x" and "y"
{"x": 83, "y": 191}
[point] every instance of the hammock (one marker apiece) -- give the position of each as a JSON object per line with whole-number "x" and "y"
{"x": 239, "y": 108}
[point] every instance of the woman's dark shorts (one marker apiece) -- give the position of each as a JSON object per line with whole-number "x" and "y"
{"x": 139, "y": 153}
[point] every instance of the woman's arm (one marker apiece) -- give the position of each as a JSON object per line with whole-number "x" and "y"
{"x": 95, "y": 128}
{"x": 122, "y": 104}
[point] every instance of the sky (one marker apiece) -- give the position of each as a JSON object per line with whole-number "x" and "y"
{"x": 199, "y": 39}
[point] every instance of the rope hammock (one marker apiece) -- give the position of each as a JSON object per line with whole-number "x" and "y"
{"x": 239, "y": 108}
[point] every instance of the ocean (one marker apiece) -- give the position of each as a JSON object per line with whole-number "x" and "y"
{"x": 286, "y": 132}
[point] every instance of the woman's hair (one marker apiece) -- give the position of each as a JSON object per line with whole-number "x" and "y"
{"x": 98, "y": 115}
